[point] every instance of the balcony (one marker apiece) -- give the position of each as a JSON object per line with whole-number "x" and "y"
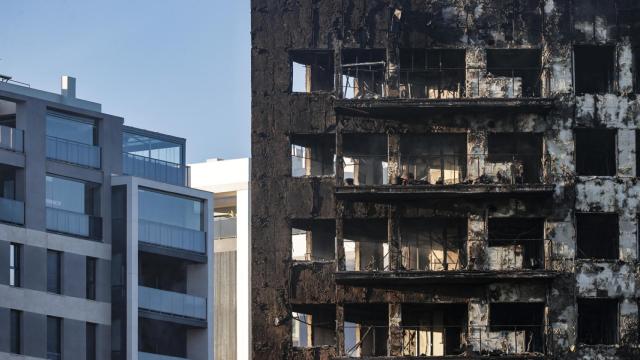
{"x": 11, "y": 139}
{"x": 150, "y": 356}
{"x": 154, "y": 169}
{"x": 11, "y": 211}
{"x": 171, "y": 237}
{"x": 73, "y": 223}
{"x": 173, "y": 306}
{"x": 73, "y": 152}
{"x": 224, "y": 228}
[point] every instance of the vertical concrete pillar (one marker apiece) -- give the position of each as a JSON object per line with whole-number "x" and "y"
{"x": 394, "y": 167}
{"x": 340, "y": 329}
{"x": 476, "y": 62}
{"x": 477, "y": 254}
{"x": 477, "y": 149}
{"x": 395, "y": 329}
{"x": 340, "y": 257}
{"x": 393, "y": 230}
{"x": 626, "y": 152}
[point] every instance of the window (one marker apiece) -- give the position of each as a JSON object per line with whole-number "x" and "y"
{"x": 598, "y": 321}
{"x": 597, "y": 236}
{"x": 366, "y": 329}
{"x": 432, "y": 73}
{"x": 174, "y": 210}
{"x": 152, "y": 148}
{"x": 366, "y": 244}
{"x": 71, "y": 128}
{"x": 14, "y": 264}
{"x": 312, "y": 155}
{"x": 91, "y": 278}
{"x": 313, "y": 240}
{"x": 313, "y": 325}
{"x": 434, "y": 329}
{"x": 594, "y": 69}
{"x": 596, "y": 152}
{"x": 365, "y": 159}
{"x": 433, "y": 159}
{"x": 312, "y": 71}
{"x": 433, "y": 244}
{"x": 516, "y": 71}
{"x": 53, "y": 272}
{"x": 54, "y": 337}
{"x": 16, "y": 331}
{"x": 363, "y": 73}
{"x": 521, "y": 323}
{"x": 514, "y": 158}
{"x": 516, "y": 243}
{"x": 71, "y": 206}
{"x": 91, "y": 341}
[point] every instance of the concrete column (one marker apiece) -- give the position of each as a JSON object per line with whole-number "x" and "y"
{"x": 395, "y": 341}
{"x": 243, "y": 274}
{"x": 339, "y": 159}
{"x": 340, "y": 329}
{"x": 74, "y": 275}
{"x": 103, "y": 342}
{"x": 35, "y": 344}
{"x": 322, "y": 241}
{"x": 476, "y": 62}
{"x": 626, "y": 152}
{"x": 624, "y": 55}
{"x": 4, "y": 262}
{"x": 340, "y": 256}
{"x": 5, "y": 330}
{"x": 477, "y": 256}
{"x": 395, "y": 164}
{"x": 395, "y": 251}
{"x": 74, "y": 339}
{"x": 478, "y": 323}
{"x": 34, "y": 268}
{"x": 477, "y": 149}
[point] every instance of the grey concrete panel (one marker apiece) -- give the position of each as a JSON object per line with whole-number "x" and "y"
{"x": 73, "y": 171}
{"x": 74, "y": 275}
{"x": 12, "y": 158}
{"x": 103, "y": 342}
{"x": 35, "y": 327}
{"x": 4, "y": 262}
{"x": 73, "y": 340}
{"x": 5, "y": 334}
{"x": 34, "y": 268}
{"x": 103, "y": 279}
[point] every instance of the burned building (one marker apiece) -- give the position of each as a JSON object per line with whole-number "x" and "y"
{"x": 445, "y": 178}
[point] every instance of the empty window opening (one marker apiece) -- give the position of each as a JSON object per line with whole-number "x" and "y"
{"x": 162, "y": 337}
{"x": 513, "y": 73}
{"x": 594, "y": 69}
{"x": 516, "y": 328}
{"x": 433, "y": 159}
{"x": 433, "y": 330}
{"x": 363, "y": 73}
{"x": 312, "y": 71}
{"x": 366, "y": 246}
{"x": 432, "y": 73}
{"x": 365, "y": 159}
{"x": 313, "y": 325}
{"x": 366, "y": 329}
{"x": 433, "y": 244}
{"x": 313, "y": 240}
{"x": 162, "y": 272}
{"x": 516, "y": 243}
{"x": 597, "y": 236}
{"x": 313, "y": 155}
{"x": 513, "y": 158}
{"x": 596, "y": 152}
{"x": 598, "y": 321}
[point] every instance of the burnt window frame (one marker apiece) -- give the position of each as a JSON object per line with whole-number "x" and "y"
{"x": 589, "y": 144}
{"x": 457, "y": 72}
{"x": 599, "y": 303}
{"x": 613, "y": 253}
{"x": 301, "y": 140}
{"x": 535, "y": 89}
{"x": 296, "y": 56}
{"x": 610, "y": 87}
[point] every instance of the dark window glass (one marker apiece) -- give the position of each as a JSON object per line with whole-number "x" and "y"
{"x": 91, "y": 278}
{"x": 174, "y": 210}
{"x": 53, "y": 271}
{"x": 148, "y": 147}
{"x": 16, "y": 331}
{"x": 54, "y": 330}
{"x": 71, "y": 128}
{"x": 14, "y": 265}
{"x": 91, "y": 341}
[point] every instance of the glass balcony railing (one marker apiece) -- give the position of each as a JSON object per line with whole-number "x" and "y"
{"x": 224, "y": 228}
{"x": 11, "y": 139}
{"x": 171, "y": 236}
{"x": 172, "y": 303}
{"x": 150, "y": 356}
{"x": 73, "y": 223}
{"x": 73, "y": 152}
{"x": 154, "y": 169}
{"x": 11, "y": 211}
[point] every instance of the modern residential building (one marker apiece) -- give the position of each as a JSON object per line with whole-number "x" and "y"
{"x": 228, "y": 180}
{"x": 445, "y": 179}
{"x": 104, "y": 249}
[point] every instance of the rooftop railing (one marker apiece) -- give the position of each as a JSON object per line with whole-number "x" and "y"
{"x": 11, "y": 211}
{"x": 73, "y": 152}
{"x": 172, "y": 303}
{"x": 73, "y": 223}
{"x": 224, "y": 227}
{"x": 11, "y": 139}
{"x": 154, "y": 169}
{"x": 170, "y": 236}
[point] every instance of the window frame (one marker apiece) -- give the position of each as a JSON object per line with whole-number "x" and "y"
{"x": 58, "y": 278}
{"x": 15, "y": 253}
{"x": 90, "y": 278}
{"x": 15, "y": 340}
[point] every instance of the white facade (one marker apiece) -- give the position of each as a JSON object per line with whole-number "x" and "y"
{"x": 229, "y": 181}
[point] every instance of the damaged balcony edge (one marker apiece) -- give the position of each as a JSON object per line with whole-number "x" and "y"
{"x": 437, "y": 277}
{"x": 432, "y": 191}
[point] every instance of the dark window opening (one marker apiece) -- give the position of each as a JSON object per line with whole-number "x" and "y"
{"x": 433, "y": 159}
{"x": 432, "y": 73}
{"x": 365, "y": 159}
{"x": 73, "y": 207}
{"x": 162, "y": 272}
{"x": 54, "y": 337}
{"x": 363, "y": 73}
{"x": 313, "y": 155}
{"x": 594, "y": 69}
{"x": 91, "y": 341}
{"x": 366, "y": 329}
{"x": 596, "y": 152}
{"x": 91, "y": 278}
{"x": 162, "y": 338}
{"x": 514, "y": 158}
{"x": 521, "y": 324}
{"x": 16, "y": 331}
{"x": 54, "y": 271}
{"x": 11, "y": 193}
{"x": 598, "y": 321}
{"x": 433, "y": 330}
{"x": 313, "y": 325}
{"x": 516, "y": 243}
{"x": 366, "y": 246}
{"x": 636, "y": 61}
{"x": 14, "y": 264}
{"x": 637, "y": 153}
{"x": 313, "y": 240}
{"x": 311, "y": 70}
{"x": 597, "y": 236}
{"x": 433, "y": 244}
{"x": 514, "y": 73}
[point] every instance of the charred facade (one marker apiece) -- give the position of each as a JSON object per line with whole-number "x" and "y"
{"x": 445, "y": 178}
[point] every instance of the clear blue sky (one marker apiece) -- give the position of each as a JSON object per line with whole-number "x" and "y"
{"x": 175, "y": 66}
